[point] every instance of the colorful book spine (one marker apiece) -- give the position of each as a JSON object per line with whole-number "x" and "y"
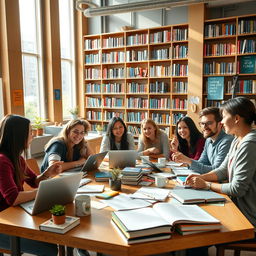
{"x": 113, "y": 88}
{"x": 136, "y": 117}
{"x": 137, "y": 39}
{"x": 93, "y": 115}
{"x": 135, "y": 87}
{"x": 135, "y": 102}
{"x": 93, "y": 88}
{"x": 111, "y": 42}
{"x": 113, "y": 57}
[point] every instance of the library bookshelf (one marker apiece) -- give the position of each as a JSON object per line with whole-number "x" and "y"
{"x": 229, "y": 50}
{"x": 137, "y": 74}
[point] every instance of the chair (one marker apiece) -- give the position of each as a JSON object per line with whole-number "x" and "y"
{"x": 237, "y": 247}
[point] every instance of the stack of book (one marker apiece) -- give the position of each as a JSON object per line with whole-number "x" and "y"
{"x": 158, "y": 222}
{"x": 131, "y": 175}
{"x": 102, "y": 176}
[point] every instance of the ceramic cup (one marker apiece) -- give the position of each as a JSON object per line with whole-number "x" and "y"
{"x": 160, "y": 181}
{"x": 162, "y": 161}
{"x": 145, "y": 157}
{"x": 83, "y": 205}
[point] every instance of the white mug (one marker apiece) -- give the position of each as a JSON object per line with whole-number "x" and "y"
{"x": 162, "y": 161}
{"x": 146, "y": 158}
{"x": 83, "y": 205}
{"x": 160, "y": 181}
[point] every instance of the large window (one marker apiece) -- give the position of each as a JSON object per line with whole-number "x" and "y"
{"x": 31, "y": 58}
{"x": 67, "y": 56}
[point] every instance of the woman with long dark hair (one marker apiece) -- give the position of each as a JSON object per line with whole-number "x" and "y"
{"x": 15, "y": 138}
{"x": 117, "y": 137}
{"x": 70, "y": 146}
{"x": 188, "y": 139}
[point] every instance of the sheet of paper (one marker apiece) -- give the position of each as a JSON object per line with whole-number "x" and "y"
{"x": 158, "y": 194}
{"x": 91, "y": 189}
{"x": 97, "y": 204}
{"x": 124, "y": 202}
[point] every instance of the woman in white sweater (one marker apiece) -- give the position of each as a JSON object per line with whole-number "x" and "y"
{"x": 117, "y": 137}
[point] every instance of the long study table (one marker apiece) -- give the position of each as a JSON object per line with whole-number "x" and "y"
{"x": 96, "y": 233}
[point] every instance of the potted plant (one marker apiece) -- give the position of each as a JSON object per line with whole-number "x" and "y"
{"x": 115, "y": 180}
{"x": 74, "y": 112}
{"x": 58, "y": 214}
{"x": 99, "y": 129}
{"x": 38, "y": 125}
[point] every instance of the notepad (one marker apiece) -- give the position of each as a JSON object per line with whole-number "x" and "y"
{"x": 91, "y": 189}
{"x": 192, "y": 196}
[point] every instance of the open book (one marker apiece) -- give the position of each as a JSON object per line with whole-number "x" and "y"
{"x": 160, "y": 219}
{"x": 192, "y": 196}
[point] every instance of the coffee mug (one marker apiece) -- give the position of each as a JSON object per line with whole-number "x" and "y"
{"x": 162, "y": 161}
{"x": 160, "y": 181}
{"x": 83, "y": 205}
{"x": 146, "y": 158}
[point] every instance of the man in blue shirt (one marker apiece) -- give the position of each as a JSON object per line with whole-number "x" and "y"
{"x": 216, "y": 146}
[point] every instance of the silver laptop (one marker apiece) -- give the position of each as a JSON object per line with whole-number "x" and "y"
{"x": 122, "y": 158}
{"x": 152, "y": 165}
{"x": 92, "y": 163}
{"x": 61, "y": 190}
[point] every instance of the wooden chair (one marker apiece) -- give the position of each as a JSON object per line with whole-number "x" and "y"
{"x": 237, "y": 247}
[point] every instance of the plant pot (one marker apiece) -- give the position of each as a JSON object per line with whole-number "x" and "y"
{"x": 58, "y": 220}
{"x": 115, "y": 184}
{"x": 34, "y": 133}
{"x": 40, "y": 132}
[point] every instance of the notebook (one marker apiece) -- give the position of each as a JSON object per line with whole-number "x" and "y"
{"x": 92, "y": 163}
{"x": 122, "y": 158}
{"x": 192, "y": 196}
{"x": 60, "y": 190}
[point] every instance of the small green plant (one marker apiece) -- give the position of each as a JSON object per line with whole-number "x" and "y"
{"x": 74, "y": 111}
{"x": 58, "y": 210}
{"x": 38, "y": 122}
{"x": 115, "y": 173}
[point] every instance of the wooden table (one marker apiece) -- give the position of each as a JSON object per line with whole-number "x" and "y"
{"x": 96, "y": 232}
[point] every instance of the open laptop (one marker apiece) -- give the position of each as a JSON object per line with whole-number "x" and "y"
{"x": 61, "y": 190}
{"x": 92, "y": 163}
{"x": 122, "y": 158}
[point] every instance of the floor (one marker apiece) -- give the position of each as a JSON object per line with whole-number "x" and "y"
{"x": 212, "y": 250}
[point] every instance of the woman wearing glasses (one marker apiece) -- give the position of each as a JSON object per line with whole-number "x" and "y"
{"x": 117, "y": 137}
{"x": 187, "y": 140}
{"x": 70, "y": 146}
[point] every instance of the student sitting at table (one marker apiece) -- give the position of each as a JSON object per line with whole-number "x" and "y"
{"x": 70, "y": 146}
{"x": 15, "y": 138}
{"x": 216, "y": 145}
{"x": 117, "y": 137}
{"x": 187, "y": 140}
{"x": 152, "y": 140}
{"x": 239, "y": 167}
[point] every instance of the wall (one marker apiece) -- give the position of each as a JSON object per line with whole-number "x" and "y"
{"x": 156, "y": 18}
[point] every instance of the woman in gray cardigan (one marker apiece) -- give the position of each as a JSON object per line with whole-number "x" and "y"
{"x": 239, "y": 167}
{"x": 117, "y": 137}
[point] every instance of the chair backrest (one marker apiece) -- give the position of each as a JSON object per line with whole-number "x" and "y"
{"x": 32, "y": 163}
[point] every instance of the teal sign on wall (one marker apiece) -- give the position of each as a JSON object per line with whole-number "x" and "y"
{"x": 248, "y": 64}
{"x": 215, "y": 88}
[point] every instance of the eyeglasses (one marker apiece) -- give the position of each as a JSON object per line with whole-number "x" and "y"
{"x": 76, "y": 132}
{"x": 206, "y": 124}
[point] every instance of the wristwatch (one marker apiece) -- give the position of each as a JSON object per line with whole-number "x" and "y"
{"x": 208, "y": 186}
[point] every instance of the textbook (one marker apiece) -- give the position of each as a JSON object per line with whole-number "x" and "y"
{"x": 70, "y": 223}
{"x": 160, "y": 219}
{"x": 102, "y": 176}
{"x": 133, "y": 171}
{"x": 192, "y": 196}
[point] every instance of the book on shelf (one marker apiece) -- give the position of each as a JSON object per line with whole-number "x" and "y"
{"x": 160, "y": 219}
{"x": 248, "y": 64}
{"x": 215, "y": 88}
{"x": 193, "y": 196}
{"x": 70, "y": 223}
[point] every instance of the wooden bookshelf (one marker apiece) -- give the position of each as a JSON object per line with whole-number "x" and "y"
{"x": 229, "y": 47}
{"x": 137, "y": 74}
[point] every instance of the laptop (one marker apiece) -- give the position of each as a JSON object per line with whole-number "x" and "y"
{"x": 122, "y": 158}
{"x": 152, "y": 165}
{"x": 61, "y": 190}
{"x": 92, "y": 163}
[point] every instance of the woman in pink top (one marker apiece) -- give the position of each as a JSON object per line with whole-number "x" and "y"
{"x": 15, "y": 138}
{"x": 188, "y": 139}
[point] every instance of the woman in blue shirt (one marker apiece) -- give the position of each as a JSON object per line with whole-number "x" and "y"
{"x": 70, "y": 146}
